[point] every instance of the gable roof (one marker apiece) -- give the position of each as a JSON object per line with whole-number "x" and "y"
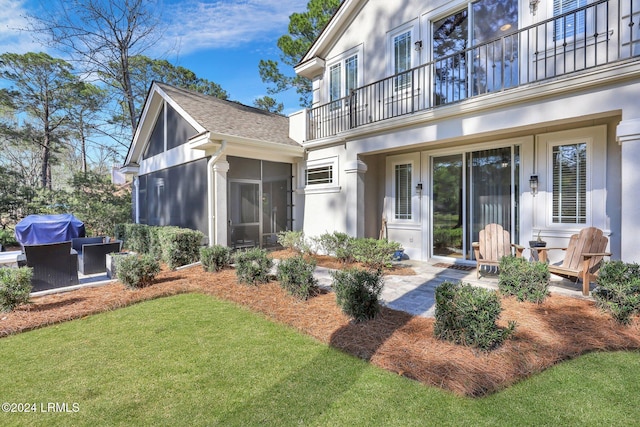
{"x": 231, "y": 118}
{"x": 208, "y": 114}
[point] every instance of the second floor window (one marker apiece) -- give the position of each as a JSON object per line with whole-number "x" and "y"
{"x": 342, "y": 82}
{"x": 572, "y": 24}
{"x": 402, "y": 59}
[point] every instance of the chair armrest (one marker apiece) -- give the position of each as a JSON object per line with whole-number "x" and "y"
{"x": 475, "y": 244}
{"x": 591, "y": 255}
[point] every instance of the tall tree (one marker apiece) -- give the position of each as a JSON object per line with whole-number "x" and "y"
{"x": 43, "y": 90}
{"x": 304, "y": 28}
{"x": 103, "y": 35}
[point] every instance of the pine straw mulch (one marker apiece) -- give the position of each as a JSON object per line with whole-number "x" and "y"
{"x": 561, "y": 328}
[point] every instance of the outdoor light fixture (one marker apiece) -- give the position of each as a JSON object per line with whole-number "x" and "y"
{"x": 419, "y": 187}
{"x": 533, "y": 184}
{"x": 533, "y": 6}
{"x": 418, "y": 45}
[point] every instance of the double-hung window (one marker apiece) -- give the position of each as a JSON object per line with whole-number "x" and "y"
{"x": 343, "y": 77}
{"x": 569, "y": 174}
{"x": 568, "y": 25}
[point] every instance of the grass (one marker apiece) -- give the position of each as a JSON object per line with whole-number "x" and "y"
{"x": 194, "y": 360}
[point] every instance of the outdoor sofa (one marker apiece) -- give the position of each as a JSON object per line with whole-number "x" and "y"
{"x": 55, "y": 265}
{"x": 92, "y": 253}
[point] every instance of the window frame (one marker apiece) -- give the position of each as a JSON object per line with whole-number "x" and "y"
{"x": 413, "y": 29}
{"x": 322, "y": 187}
{"x": 596, "y": 160}
{"x": 341, "y": 62}
{"x": 580, "y": 187}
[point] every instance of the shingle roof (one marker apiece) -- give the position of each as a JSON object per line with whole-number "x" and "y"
{"x": 231, "y": 118}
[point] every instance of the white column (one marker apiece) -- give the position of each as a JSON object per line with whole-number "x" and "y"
{"x": 355, "y": 171}
{"x": 136, "y": 195}
{"x": 628, "y": 134}
{"x": 220, "y": 169}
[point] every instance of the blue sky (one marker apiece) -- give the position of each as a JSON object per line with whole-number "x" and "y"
{"x": 220, "y": 40}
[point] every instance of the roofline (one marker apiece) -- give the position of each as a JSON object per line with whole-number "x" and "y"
{"x": 210, "y": 140}
{"x": 344, "y": 11}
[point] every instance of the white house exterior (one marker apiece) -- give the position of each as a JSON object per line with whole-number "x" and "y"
{"x": 438, "y": 117}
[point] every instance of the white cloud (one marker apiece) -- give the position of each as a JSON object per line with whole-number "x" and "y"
{"x": 196, "y": 25}
{"x": 12, "y": 22}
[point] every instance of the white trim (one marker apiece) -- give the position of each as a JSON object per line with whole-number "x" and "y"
{"x": 412, "y": 159}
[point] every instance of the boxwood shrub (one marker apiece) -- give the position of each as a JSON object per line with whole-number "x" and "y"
{"x": 618, "y": 290}
{"x": 358, "y": 292}
{"x": 15, "y": 287}
{"x": 527, "y": 281}
{"x": 295, "y": 275}
{"x": 373, "y": 253}
{"x": 252, "y": 266}
{"x": 467, "y": 315}
{"x": 137, "y": 271}
{"x": 179, "y": 246}
{"x": 215, "y": 258}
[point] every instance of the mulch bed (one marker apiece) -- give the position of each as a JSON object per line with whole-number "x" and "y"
{"x": 561, "y": 328}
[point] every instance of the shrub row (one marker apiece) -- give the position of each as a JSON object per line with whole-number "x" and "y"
{"x": 372, "y": 253}
{"x": 175, "y": 246}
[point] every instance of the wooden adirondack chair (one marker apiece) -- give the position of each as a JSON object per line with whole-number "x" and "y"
{"x": 493, "y": 243}
{"x": 582, "y": 258}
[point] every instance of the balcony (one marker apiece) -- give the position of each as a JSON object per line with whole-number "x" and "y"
{"x": 595, "y": 35}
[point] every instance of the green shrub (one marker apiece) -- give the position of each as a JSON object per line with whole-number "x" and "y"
{"x": 7, "y": 237}
{"x": 155, "y": 245}
{"x": 358, "y": 292}
{"x": 467, "y": 315}
{"x": 294, "y": 240}
{"x": 618, "y": 290}
{"x": 137, "y": 238}
{"x": 178, "y": 246}
{"x": 332, "y": 243}
{"x": 215, "y": 258}
{"x": 527, "y": 281}
{"x": 120, "y": 232}
{"x": 252, "y": 266}
{"x": 137, "y": 271}
{"x": 15, "y": 287}
{"x": 296, "y": 277}
{"x": 373, "y": 253}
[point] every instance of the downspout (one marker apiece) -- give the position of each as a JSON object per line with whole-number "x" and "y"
{"x": 212, "y": 203}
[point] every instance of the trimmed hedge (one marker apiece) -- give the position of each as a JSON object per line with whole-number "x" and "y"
{"x": 467, "y": 315}
{"x": 358, "y": 292}
{"x": 15, "y": 287}
{"x": 137, "y": 271}
{"x": 215, "y": 258}
{"x": 175, "y": 246}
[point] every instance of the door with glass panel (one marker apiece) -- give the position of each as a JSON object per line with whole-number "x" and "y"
{"x": 475, "y": 50}
{"x": 244, "y": 213}
{"x": 469, "y": 191}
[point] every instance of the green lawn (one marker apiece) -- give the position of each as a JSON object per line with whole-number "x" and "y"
{"x": 193, "y": 360}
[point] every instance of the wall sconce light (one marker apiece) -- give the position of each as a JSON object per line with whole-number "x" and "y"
{"x": 533, "y": 184}
{"x": 533, "y": 6}
{"x": 419, "y": 187}
{"x": 418, "y": 45}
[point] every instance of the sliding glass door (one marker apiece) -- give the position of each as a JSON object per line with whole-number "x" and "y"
{"x": 469, "y": 191}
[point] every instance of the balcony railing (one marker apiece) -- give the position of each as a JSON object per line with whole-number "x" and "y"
{"x": 597, "y": 34}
